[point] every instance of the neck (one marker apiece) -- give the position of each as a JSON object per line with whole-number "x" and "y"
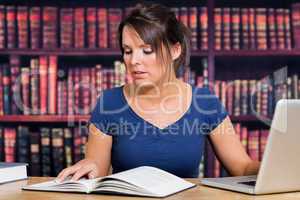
{"x": 155, "y": 93}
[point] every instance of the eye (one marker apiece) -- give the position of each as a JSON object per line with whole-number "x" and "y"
{"x": 148, "y": 51}
{"x": 127, "y": 51}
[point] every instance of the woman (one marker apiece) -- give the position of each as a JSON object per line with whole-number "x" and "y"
{"x": 157, "y": 120}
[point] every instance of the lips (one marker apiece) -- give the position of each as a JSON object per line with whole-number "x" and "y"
{"x": 138, "y": 74}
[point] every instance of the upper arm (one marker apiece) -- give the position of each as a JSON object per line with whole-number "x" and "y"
{"x": 229, "y": 149}
{"x": 99, "y": 149}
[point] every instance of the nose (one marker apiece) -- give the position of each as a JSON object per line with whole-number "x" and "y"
{"x": 135, "y": 58}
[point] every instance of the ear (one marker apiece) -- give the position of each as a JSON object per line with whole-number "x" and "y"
{"x": 176, "y": 51}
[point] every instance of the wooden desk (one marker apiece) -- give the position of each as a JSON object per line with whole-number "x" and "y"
{"x": 12, "y": 191}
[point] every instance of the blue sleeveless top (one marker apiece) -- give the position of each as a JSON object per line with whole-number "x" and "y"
{"x": 177, "y": 148}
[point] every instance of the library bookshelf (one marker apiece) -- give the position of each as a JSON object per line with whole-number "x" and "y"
{"x": 230, "y": 59}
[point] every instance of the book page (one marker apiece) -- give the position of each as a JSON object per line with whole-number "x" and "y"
{"x": 82, "y": 185}
{"x": 153, "y": 180}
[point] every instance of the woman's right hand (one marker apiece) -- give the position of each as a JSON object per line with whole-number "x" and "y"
{"x": 85, "y": 167}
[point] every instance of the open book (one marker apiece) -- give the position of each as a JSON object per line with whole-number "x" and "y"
{"x": 140, "y": 181}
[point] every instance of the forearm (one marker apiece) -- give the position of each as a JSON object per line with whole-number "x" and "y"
{"x": 252, "y": 168}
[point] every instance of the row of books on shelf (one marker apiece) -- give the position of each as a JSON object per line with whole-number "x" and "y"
{"x": 259, "y": 97}
{"x": 45, "y": 88}
{"x": 47, "y": 150}
{"x": 254, "y": 142}
{"x": 91, "y": 27}
{"x": 253, "y": 28}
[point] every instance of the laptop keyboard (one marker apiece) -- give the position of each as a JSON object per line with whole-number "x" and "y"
{"x": 251, "y": 183}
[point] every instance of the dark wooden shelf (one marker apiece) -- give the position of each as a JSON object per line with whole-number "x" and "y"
{"x": 44, "y": 118}
{"x": 75, "y": 52}
{"x": 256, "y": 53}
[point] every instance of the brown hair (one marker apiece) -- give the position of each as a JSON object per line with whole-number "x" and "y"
{"x": 157, "y": 25}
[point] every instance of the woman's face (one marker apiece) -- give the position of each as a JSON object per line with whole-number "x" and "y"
{"x": 140, "y": 59}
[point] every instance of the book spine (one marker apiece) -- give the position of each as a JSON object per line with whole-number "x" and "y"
{"x": 203, "y": 28}
{"x": 52, "y": 85}
{"x": 43, "y": 71}
{"x": 22, "y": 24}
{"x": 25, "y": 80}
{"x": 193, "y": 13}
{"x": 16, "y": 100}
{"x": 23, "y": 145}
{"x": 57, "y": 150}
{"x": 11, "y": 27}
{"x": 91, "y": 27}
{"x": 46, "y": 152}
{"x": 35, "y": 27}
{"x": 218, "y": 28}
{"x": 66, "y": 28}
{"x": 102, "y": 20}
{"x": 79, "y": 16}
{"x": 2, "y": 27}
{"x": 35, "y": 162}
{"x": 34, "y": 83}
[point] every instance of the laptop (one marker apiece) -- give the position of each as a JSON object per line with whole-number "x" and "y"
{"x": 280, "y": 166}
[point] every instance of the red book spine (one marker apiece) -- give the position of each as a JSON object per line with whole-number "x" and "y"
{"x": 91, "y": 24}
{"x": 79, "y": 27}
{"x": 52, "y": 85}
{"x": 253, "y": 144}
{"x": 22, "y": 20}
{"x": 71, "y": 92}
{"x": 193, "y": 13}
{"x": 296, "y": 24}
{"x": 203, "y": 28}
{"x": 50, "y": 27}
{"x": 93, "y": 88}
{"x": 252, "y": 29}
{"x": 237, "y": 98}
{"x": 99, "y": 79}
{"x": 16, "y": 100}
{"x": 77, "y": 91}
{"x": 34, "y": 83}
{"x": 35, "y": 25}
{"x": 287, "y": 29}
{"x": 11, "y": 26}
{"x": 102, "y": 27}
{"x": 245, "y": 28}
{"x": 114, "y": 18}
{"x": 272, "y": 29}
{"x": 10, "y": 144}
{"x": 66, "y": 28}
{"x": 226, "y": 34}
{"x": 2, "y": 27}
{"x": 218, "y": 28}
{"x": 85, "y": 90}
{"x": 43, "y": 71}
{"x": 261, "y": 28}
{"x": 280, "y": 28}
{"x": 263, "y": 142}
{"x": 235, "y": 28}
{"x": 229, "y": 91}
{"x": 25, "y": 73}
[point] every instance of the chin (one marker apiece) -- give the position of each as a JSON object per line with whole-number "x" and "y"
{"x": 143, "y": 83}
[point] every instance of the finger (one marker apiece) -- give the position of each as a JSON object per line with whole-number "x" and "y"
{"x": 81, "y": 172}
{"x": 67, "y": 172}
{"x": 92, "y": 174}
